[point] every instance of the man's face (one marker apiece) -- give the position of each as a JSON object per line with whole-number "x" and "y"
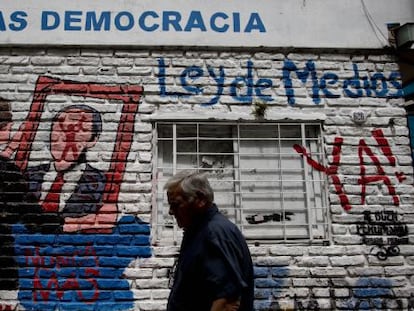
{"x": 181, "y": 208}
{"x": 71, "y": 134}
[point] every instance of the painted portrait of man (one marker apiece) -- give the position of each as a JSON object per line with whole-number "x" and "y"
{"x": 68, "y": 185}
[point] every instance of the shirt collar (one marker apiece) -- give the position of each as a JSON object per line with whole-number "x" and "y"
{"x": 202, "y": 219}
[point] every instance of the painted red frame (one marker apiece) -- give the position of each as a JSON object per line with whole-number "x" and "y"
{"x": 128, "y": 94}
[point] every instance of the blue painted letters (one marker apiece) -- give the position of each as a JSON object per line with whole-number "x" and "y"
{"x": 245, "y": 88}
{"x": 16, "y": 21}
{"x": 146, "y": 21}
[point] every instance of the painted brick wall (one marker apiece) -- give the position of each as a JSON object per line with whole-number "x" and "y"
{"x": 102, "y": 258}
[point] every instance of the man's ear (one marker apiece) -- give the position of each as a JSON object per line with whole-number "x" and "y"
{"x": 201, "y": 201}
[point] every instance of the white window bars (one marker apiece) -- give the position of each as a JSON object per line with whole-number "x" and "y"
{"x": 259, "y": 181}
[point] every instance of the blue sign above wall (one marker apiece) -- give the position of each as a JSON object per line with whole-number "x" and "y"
{"x": 233, "y": 23}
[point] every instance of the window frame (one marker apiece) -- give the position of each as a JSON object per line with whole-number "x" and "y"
{"x": 307, "y": 169}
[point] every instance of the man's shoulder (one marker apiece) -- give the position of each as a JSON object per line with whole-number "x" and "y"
{"x": 220, "y": 219}
{"x": 220, "y": 225}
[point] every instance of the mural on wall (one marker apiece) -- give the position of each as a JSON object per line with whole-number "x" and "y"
{"x": 70, "y": 245}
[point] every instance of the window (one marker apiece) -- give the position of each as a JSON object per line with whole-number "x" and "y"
{"x": 259, "y": 181}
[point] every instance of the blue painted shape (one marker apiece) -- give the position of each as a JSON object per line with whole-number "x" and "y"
{"x": 105, "y": 250}
{"x": 280, "y": 272}
{"x": 374, "y": 282}
{"x": 140, "y": 240}
{"x": 79, "y": 306}
{"x": 38, "y": 239}
{"x": 79, "y": 271}
{"x": 114, "y": 261}
{"x": 133, "y": 229}
{"x": 262, "y": 293}
{"x": 268, "y": 304}
{"x": 113, "y": 239}
{"x": 119, "y": 306}
{"x": 106, "y": 273}
{"x": 136, "y": 251}
{"x": 369, "y": 293}
{"x": 364, "y": 305}
{"x": 29, "y": 272}
{"x": 269, "y": 282}
{"x": 124, "y": 295}
{"x": 116, "y": 284}
{"x": 73, "y": 239}
{"x": 41, "y": 306}
{"x": 261, "y": 272}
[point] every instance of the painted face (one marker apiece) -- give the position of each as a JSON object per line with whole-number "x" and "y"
{"x": 181, "y": 208}
{"x": 71, "y": 134}
{"x": 5, "y": 133}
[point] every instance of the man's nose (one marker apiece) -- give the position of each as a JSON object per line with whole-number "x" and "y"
{"x": 171, "y": 211}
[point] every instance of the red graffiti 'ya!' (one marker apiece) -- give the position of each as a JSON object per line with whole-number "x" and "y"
{"x": 364, "y": 179}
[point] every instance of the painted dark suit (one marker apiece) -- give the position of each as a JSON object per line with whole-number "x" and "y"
{"x": 12, "y": 196}
{"x": 87, "y": 196}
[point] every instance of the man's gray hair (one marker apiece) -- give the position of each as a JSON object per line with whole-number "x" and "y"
{"x": 192, "y": 184}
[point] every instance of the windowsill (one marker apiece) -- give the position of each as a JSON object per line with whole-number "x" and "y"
{"x": 236, "y": 114}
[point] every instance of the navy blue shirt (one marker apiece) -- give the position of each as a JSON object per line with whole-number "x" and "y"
{"x": 214, "y": 262}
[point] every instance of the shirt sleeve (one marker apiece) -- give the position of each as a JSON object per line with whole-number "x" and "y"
{"x": 224, "y": 273}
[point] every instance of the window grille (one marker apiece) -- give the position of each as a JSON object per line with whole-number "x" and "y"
{"x": 259, "y": 181}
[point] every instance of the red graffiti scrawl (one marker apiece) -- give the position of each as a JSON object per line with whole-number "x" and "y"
{"x": 363, "y": 149}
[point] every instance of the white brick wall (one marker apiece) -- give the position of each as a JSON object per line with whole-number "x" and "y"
{"x": 335, "y": 276}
